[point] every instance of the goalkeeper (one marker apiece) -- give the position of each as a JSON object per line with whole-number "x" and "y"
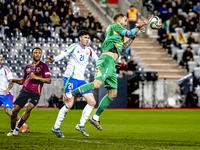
{"x": 112, "y": 47}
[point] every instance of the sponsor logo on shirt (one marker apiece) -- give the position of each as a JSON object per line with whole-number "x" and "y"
{"x": 47, "y": 73}
{"x": 7, "y": 105}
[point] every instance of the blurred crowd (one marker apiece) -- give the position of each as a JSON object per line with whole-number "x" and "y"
{"x": 180, "y": 25}
{"x": 34, "y": 18}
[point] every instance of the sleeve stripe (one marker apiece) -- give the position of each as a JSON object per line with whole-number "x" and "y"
{"x": 126, "y": 34}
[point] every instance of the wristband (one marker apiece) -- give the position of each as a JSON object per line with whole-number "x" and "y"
{"x": 16, "y": 81}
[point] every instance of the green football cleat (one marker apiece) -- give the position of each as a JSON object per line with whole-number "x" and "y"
{"x": 82, "y": 130}
{"x": 95, "y": 123}
{"x": 57, "y": 132}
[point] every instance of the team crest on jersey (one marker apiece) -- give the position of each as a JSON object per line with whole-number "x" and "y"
{"x": 38, "y": 69}
{"x": 66, "y": 50}
{"x": 104, "y": 75}
{"x": 86, "y": 53}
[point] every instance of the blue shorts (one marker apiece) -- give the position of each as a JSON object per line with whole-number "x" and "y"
{"x": 7, "y": 101}
{"x": 74, "y": 84}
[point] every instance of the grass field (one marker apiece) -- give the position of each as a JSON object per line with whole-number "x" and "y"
{"x": 123, "y": 129}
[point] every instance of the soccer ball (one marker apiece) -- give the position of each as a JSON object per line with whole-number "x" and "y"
{"x": 155, "y": 23}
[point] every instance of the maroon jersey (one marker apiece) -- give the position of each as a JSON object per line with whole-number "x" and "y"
{"x": 31, "y": 85}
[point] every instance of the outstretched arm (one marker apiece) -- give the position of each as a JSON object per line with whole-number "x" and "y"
{"x": 6, "y": 91}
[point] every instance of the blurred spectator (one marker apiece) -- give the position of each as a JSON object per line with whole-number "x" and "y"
{"x": 28, "y": 31}
{"x": 40, "y": 9}
{"x": 30, "y": 14}
{"x": 12, "y": 4}
{"x": 46, "y": 32}
{"x": 195, "y": 18}
{"x": 174, "y": 8}
{"x": 158, "y": 5}
{"x": 150, "y": 6}
{"x": 187, "y": 56}
{"x": 90, "y": 17}
{"x": 37, "y": 31}
{"x": 191, "y": 26}
{"x": 19, "y": 16}
{"x": 34, "y": 19}
{"x": 69, "y": 5}
{"x": 188, "y": 6}
{"x": 198, "y": 26}
{"x": 81, "y": 18}
{"x": 15, "y": 10}
{"x": 20, "y": 7}
{"x": 73, "y": 31}
{"x": 170, "y": 40}
{"x": 181, "y": 18}
{"x": 169, "y": 15}
{"x": 77, "y": 26}
{"x": 2, "y": 30}
{"x": 23, "y": 23}
{"x": 25, "y": 11}
{"x": 162, "y": 35}
{"x": 7, "y": 9}
{"x": 83, "y": 27}
{"x": 132, "y": 16}
{"x": 31, "y": 4}
{"x": 71, "y": 17}
{"x": 39, "y": 18}
{"x": 14, "y": 25}
{"x": 47, "y": 19}
{"x": 55, "y": 19}
{"x": 92, "y": 31}
{"x": 191, "y": 39}
{"x": 55, "y": 6}
{"x": 122, "y": 67}
{"x": 3, "y": 7}
{"x": 132, "y": 66}
{"x": 10, "y": 15}
{"x": 75, "y": 18}
{"x": 6, "y": 26}
{"x": 67, "y": 19}
{"x": 87, "y": 21}
{"x": 61, "y": 14}
{"x": 180, "y": 38}
{"x": 174, "y": 23}
{"x": 97, "y": 25}
{"x": 185, "y": 23}
{"x": 163, "y": 11}
{"x": 46, "y": 8}
{"x": 64, "y": 31}
{"x": 169, "y": 4}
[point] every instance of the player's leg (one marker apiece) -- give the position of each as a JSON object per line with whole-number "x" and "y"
{"x": 34, "y": 99}
{"x": 111, "y": 85}
{"x": 86, "y": 112}
{"x": 69, "y": 84}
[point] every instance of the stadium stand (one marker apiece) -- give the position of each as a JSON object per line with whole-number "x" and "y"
{"x": 44, "y": 31}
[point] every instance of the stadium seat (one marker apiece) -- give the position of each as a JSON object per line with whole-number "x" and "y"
{"x": 18, "y": 46}
{"x": 13, "y": 40}
{"x": 50, "y": 40}
{"x": 76, "y": 40}
{"x": 45, "y": 46}
{"x": 184, "y": 46}
{"x": 1, "y": 46}
{"x": 13, "y": 63}
{"x": 22, "y": 40}
{"x": 14, "y": 52}
{"x": 63, "y": 47}
{"x": 195, "y": 48}
{"x": 196, "y": 59}
{"x": 41, "y": 40}
{"x": 36, "y": 45}
{"x": 197, "y": 72}
{"x": 33, "y": 40}
{"x": 59, "y": 41}
{"x": 191, "y": 66}
{"x": 69, "y": 40}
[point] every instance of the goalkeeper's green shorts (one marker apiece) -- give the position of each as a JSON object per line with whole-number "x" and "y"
{"x": 105, "y": 72}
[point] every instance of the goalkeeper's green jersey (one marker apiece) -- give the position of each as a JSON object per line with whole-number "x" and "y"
{"x": 115, "y": 37}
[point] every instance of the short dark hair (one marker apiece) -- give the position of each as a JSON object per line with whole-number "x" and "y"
{"x": 118, "y": 15}
{"x": 83, "y": 32}
{"x": 131, "y": 6}
{"x": 36, "y": 48}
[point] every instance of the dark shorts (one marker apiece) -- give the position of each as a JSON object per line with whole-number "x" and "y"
{"x": 25, "y": 97}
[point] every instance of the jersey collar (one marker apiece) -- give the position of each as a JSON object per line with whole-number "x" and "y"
{"x": 80, "y": 45}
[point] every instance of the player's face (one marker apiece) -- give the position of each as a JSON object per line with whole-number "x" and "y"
{"x": 36, "y": 55}
{"x": 84, "y": 40}
{"x": 123, "y": 21}
{"x": 1, "y": 61}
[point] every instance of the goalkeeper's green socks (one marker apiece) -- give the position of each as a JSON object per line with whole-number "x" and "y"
{"x": 84, "y": 88}
{"x": 102, "y": 106}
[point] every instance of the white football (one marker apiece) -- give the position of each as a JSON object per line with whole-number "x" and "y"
{"x": 155, "y": 22}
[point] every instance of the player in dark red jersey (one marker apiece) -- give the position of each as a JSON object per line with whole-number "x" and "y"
{"x": 35, "y": 75}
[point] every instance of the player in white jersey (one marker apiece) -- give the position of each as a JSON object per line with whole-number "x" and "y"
{"x": 78, "y": 55}
{"x": 6, "y": 94}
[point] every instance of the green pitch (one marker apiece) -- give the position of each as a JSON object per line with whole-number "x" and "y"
{"x": 122, "y": 129}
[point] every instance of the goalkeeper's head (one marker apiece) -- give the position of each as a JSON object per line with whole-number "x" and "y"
{"x": 84, "y": 37}
{"x": 120, "y": 18}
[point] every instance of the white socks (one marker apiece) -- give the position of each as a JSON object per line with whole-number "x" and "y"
{"x": 19, "y": 121}
{"x": 95, "y": 117}
{"x": 85, "y": 115}
{"x": 61, "y": 115}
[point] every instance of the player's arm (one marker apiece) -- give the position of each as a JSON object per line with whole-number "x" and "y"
{"x": 44, "y": 80}
{"x": 93, "y": 55}
{"x": 20, "y": 82}
{"x": 46, "y": 75}
{"x": 6, "y": 91}
{"x": 130, "y": 40}
{"x": 129, "y": 33}
{"x": 62, "y": 55}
